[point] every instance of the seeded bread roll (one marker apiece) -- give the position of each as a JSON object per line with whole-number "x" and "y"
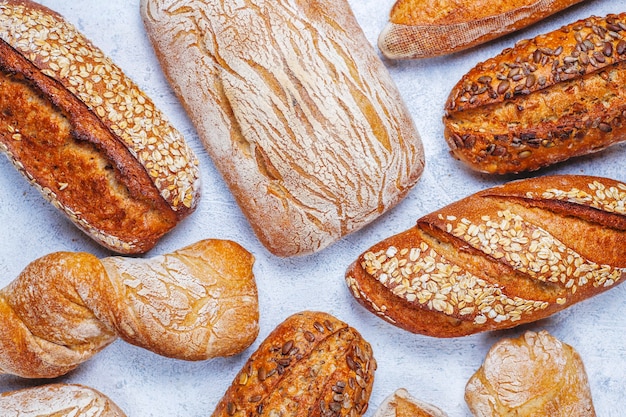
{"x": 428, "y": 28}
{"x": 196, "y": 303}
{"x": 58, "y": 400}
{"x": 502, "y": 257}
{"x": 86, "y": 136}
{"x": 532, "y": 375}
{"x": 547, "y": 99}
{"x": 402, "y": 404}
{"x": 311, "y": 364}
{"x": 296, "y": 110}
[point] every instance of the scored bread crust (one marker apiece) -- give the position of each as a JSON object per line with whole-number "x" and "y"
{"x": 429, "y": 28}
{"x": 543, "y": 101}
{"x": 295, "y": 108}
{"x": 499, "y": 258}
{"x": 86, "y": 136}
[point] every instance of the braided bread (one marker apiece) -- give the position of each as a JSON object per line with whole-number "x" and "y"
{"x": 499, "y": 258}
{"x": 57, "y": 400}
{"x": 195, "y": 303}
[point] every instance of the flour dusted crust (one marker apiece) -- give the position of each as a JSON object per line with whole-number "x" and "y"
{"x": 499, "y": 258}
{"x": 54, "y": 400}
{"x": 402, "y": 404}
{"x": 86, "y": 136}
{"x": 532, "y": 375}
{"x": 296, "y": 110}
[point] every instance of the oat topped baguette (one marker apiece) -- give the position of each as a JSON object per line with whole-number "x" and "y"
{"x": 295, "y": 108}
{"x": 86, "y": 136}
{"x": 428, "y": 28}
{"x": 545, "y": 100}
{"x": 502, "y": 257}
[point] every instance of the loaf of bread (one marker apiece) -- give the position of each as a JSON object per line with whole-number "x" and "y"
{"x": 402, "y": 404}
{"x": 429, "y": 28}
{"x": 533, "y": 375}
{"x": 311, "y": 364}
{"x": 295, "y": 108}
{"x": 58, "y": 400}
{"x": 504, "y": 256}
{"x": 543, "y": 101}
{"x": 196, "y": 303}
{"x": 86, "y": 136}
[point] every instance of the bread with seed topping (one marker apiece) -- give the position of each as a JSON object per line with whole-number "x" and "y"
{"x": 429, "y": 28}
{"x": 310, "y": 364}
{"x": 543, "y": 101}
{"x": 86, "y": 136}
{"x": 502, "y": 257}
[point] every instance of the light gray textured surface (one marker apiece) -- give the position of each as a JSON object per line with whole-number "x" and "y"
{"x": 433, "y": 370}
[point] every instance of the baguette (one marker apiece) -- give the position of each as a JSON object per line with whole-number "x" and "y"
{"x": 532, "y": 375}
{"x": 499, "y": 258}
{"x": 86, "y": 136}
{"x": 429, "y": 28}
{"x": 296, "y": 110}
{"x": 57, "y": 400}
{"x": 545, "y": 100}
{"x": 402, "y": 404}
{"x": 311, "y": 364}
{"x": 196, "y": 303}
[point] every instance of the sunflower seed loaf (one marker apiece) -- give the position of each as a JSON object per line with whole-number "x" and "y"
{"x": 429, "y": 28}
{"x": 86, "y": 136}
{"x": 499, "y": 258}
{"x": 311, "y": 364}
{"x": 547, "y": 99}
{"x": 295, "y": 108}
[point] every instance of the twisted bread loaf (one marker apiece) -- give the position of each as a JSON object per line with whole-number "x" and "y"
{"x": 56, "y": 400}
{"x": 195, "y": 303}
{"x": 499, "y": 258}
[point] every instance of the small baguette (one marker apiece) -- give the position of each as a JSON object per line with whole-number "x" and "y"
{"x": 311, "y": 364}
{"x": 296, "y": 109}
{"x": 86, "y": 136}
{"x": 57, "y": 400}
{"x": 429, "y": 28}
{"x": 545, "y": 100}
{"x": 196, "y": 303}
{"x": 532, "y": 375}
{"x": 502, "y": 257}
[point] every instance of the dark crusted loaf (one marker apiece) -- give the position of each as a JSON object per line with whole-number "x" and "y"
{"x": 547, "y": 99}
{"x": 502, "y": 257}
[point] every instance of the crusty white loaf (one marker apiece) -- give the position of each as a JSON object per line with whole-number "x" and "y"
{"x": 86, "y": 136}
{"x": 295, "y": 108}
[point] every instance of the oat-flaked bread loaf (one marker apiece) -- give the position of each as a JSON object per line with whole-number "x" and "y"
{"x": 429, "y": 28}
{"x": 311, "y": 364}
{"x": 297, "y": 111}
{"x": 532, "y": 375}
{"x": 499, "y": 258}
{"x": 86, "y": 136}
{"x": 196, "y": 303}
{"x": 58, "y": 400}
{"x": 547, "y": 99}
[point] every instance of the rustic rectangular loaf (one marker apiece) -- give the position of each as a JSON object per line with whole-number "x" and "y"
{"x": 295, "y": 108}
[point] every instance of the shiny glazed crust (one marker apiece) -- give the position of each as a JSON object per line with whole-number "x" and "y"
{"x": 429, "y": 28}
{"x": 532, "y": 375}
{"x": 545, "y": 100}
{"x": 312, "y": 145}
{"x": 86, "y": 136}
{"x": 196, "y": 303}
{"x": 499, "y": 258}
{"x": 311, "y": 365}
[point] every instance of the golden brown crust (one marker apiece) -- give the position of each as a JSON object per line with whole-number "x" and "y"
{"x": 311, "y": 365}
{"x": 428, "y": 28}
{"x": 546, "y": 100}
{"x": 499, "y": 258}
{"x": 85, "y": 136}
{"x": 402, "y": 404}
{"x": 196, "y": 303}
{"x": 54, "y": 400}
{"x": 532, "y": 375}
